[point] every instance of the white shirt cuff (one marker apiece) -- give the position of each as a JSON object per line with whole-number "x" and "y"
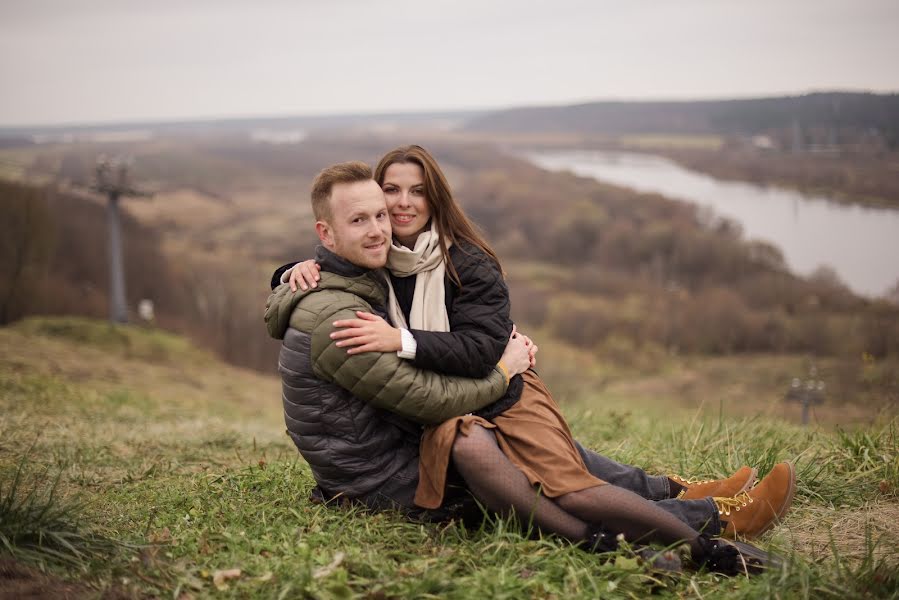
{"x": 285, "y": 276}
{"x": 409, "y": 345}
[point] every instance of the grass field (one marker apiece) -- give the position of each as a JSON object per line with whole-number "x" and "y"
{"x": 132, "y": 465}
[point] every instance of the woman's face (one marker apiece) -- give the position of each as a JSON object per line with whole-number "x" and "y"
{"x": 407, "y": 204}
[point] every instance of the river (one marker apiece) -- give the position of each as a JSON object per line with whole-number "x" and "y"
{"x": 861, "y": 244}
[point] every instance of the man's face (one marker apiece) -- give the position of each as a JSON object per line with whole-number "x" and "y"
{"x": 359, "y": 227}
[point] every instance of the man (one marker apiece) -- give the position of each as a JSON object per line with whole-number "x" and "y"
{"x": 355, "y": 417}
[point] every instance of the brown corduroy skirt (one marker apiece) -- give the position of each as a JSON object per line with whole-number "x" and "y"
{"x": 532, "y": 434}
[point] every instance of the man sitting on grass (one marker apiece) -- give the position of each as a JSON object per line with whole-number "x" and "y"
{"x": 356, "y": 417}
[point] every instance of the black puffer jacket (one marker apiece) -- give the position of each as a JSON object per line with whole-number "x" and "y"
{"x": 480, "y": 323}
{"x": 479, "y": 320}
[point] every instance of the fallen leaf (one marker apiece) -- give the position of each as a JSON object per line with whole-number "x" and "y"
{"x": 159, "y": 537}
{"x": 203, "y": 544}
{"x": 148, "y": 556}
{"x": 327, "y": 570}
{"x": 265, "y": 576}
{"x": 220, "y": 577}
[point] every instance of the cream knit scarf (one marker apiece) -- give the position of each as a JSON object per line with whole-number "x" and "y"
{"x": 429, "y": 302}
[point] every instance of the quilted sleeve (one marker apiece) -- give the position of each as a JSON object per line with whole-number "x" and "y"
{"x": 479, "y": 320}
{"x": 391, "y": 383}
{"x": 276, "y": 276}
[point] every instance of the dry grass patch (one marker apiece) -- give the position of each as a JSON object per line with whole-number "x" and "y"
{"x": 817, "y": 532}
{"x": 115, "y": 410}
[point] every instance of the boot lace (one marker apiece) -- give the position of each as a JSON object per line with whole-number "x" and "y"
{"x": 735, "y": 504}
{"x": 686, "y": 481}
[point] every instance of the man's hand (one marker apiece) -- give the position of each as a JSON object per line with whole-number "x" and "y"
{"x": 516, "y": 357}
{"x": 369, "y": 333}
{"x": 304, "y": 274}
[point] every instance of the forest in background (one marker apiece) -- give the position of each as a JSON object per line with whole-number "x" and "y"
{"x": 825, "y": 118}
{"x": 625, "y": 278}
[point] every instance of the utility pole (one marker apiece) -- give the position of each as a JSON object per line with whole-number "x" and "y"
{"x": 112, "y": 180}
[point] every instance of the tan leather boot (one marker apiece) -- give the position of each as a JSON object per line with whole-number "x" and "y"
{"x": 740, "y": 481}
{"x": 752, "y": 513}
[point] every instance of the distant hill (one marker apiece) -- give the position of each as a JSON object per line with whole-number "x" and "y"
{"x": 840, "y": 115}
{"x": 130, "y": 131}
{"x": 825, "y": 117}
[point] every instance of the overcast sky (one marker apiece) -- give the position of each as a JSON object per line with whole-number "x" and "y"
{"x": 113, "y": 60}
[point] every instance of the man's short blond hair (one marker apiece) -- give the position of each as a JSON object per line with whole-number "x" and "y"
{"x": 323, "y": 184}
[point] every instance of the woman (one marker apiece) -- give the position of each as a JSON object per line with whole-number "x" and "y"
{"x": 447, "y": 285}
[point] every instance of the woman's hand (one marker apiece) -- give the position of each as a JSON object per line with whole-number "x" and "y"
{"x": 532, "y": 349}
{"x": 305, "y": 275}
{"x": 516, "y": 357}
{"x": 369, "y": 333}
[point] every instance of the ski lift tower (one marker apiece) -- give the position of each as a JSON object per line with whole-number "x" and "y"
{"x": 112, "y": 179}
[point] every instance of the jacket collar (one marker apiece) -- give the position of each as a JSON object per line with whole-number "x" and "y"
{"x": 338, "y": 265}
{"x": 332, "y": 263}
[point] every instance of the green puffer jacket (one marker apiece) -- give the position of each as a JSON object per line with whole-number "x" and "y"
{"x": 354, "y": 416}
{"x": 380, "y": 378}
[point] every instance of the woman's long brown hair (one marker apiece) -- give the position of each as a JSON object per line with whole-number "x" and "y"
{"x": 452, "y": 224}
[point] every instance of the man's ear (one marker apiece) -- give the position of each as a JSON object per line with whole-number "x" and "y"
{"x": 325, "y": 234}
